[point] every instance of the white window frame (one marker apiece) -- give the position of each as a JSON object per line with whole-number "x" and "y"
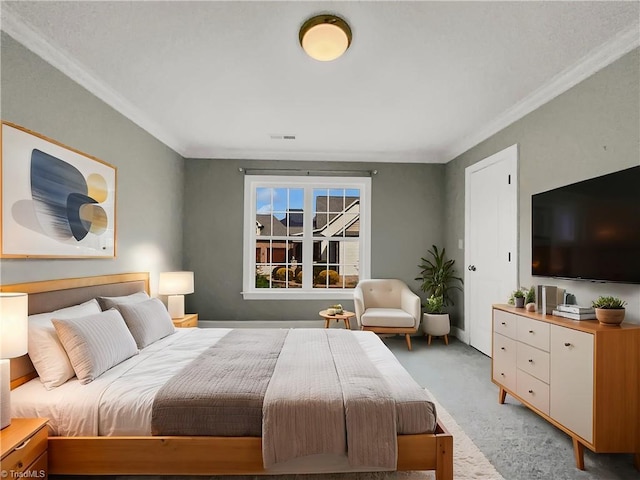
{"x": 251, "y": 184}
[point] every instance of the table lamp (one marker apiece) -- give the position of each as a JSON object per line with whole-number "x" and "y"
{"x": 175, "y": 285}
{"x": 13, "y": 343}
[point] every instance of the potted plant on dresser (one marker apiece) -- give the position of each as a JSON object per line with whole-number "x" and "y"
{"x": 609, "y": 310}
{"x": 438, "y": 279}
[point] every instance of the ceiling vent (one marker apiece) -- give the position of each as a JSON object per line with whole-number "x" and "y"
{"x": 282, "y": 137}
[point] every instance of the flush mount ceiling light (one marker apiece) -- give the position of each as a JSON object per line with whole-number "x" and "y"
{"x": 325, "y": 37}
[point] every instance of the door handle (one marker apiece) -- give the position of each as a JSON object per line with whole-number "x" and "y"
{"x": 471, "y": 268}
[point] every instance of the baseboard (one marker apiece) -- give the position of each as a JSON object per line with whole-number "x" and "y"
{"x": 460, "y": 334}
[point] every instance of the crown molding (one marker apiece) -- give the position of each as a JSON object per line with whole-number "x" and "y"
{"x": 299, "y": 155}
{"x": 591, "y": 63}
{"x": 79, "y": 73}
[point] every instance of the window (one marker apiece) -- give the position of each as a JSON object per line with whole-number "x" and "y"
{"x": 305, "y": 237}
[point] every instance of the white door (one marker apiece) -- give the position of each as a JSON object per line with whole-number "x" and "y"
{"x": 491, "y": 239}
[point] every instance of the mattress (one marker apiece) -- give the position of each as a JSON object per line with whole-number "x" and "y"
{"x": 119, "y": 402}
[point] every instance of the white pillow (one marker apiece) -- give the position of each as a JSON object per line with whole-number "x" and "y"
{"x": 148, "y": 321}
{"x": 109, "y": 302}
{"x": 95, "y": 343}
{"x": 45, "y": 350}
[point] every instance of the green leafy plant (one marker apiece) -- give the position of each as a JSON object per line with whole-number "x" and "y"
{"x": 434, "y": 304}
{"x": 520, "y": 293}
{"x": 530, "y": 297}
{"x": 608, "y": 302}
{"x": 438, "y": 275}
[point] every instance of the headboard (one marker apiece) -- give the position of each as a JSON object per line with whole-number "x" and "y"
{"x": 49, "y": 295}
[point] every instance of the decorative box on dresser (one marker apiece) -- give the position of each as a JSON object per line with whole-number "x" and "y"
{"x": 24, "y": 448}
{"x": 581, "y": 376}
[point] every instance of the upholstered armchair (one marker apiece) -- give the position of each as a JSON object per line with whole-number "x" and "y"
{"x": 387, "y": 306}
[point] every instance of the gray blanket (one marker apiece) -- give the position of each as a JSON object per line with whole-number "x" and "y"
{"x": 220, "y": 392}
{"x": 326, "y": 395}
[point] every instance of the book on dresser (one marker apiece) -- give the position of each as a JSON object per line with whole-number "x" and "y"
{"x": 563, "y": 307}
{"x": 574, "y": 316}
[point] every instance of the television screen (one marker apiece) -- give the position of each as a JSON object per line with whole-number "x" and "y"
{"x": 589, "y": 230}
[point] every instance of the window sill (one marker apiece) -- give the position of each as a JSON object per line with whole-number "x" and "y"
{"x": 329, "y": 294}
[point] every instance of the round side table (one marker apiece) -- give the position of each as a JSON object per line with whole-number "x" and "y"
{"x": 345, "y": 316}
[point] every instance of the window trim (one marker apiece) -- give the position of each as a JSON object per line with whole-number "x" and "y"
{"x": 251, "y": 183}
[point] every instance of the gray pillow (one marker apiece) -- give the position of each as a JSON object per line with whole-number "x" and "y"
{"x": 110, "y": 302}
{"x": 95, "y": 343}
{"x": 148, "y": 321}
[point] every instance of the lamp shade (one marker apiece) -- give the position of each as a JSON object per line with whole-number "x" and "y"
{"x": 175, "y": 283}
{"x": 325, "y": 37}
{"x": 14, "y": 309}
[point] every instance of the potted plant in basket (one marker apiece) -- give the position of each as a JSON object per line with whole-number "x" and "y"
{"x": 438, "y": 280}
{"x": 435, "y": 320}
{"x": 609, "y": 310}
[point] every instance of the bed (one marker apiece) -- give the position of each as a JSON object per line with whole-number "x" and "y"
{"x": 115, "y": 450}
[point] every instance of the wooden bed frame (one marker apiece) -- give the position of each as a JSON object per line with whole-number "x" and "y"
{"x": 162, "y": 455}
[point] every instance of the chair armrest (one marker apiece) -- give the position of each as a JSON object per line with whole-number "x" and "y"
{"x": 410, "y": 303}
{"x": 358, "y": 302}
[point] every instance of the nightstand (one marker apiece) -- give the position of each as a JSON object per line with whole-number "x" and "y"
{"x": 24, "y": 448}
{"x": 189, "y": 320}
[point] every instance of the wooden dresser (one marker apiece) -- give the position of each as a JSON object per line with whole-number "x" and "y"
{"x": 581, "y": 376}
{"x": 24, "y": 448}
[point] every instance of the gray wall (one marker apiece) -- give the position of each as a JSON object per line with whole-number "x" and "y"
{"x": 590, "y": 130}
{"x": 150, "y": 175}
{"x": 407, "y": 218}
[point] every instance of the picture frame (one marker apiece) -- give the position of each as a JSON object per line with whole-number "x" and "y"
{"x": 56, "y": 201}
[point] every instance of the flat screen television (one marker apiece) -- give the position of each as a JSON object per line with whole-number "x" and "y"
{"x": 589, "y": 230}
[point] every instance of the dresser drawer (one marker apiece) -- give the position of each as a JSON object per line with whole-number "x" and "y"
{"x": 38, "y": 469}
{"x": 533, "y": 391}
{"x": 505, "y": 323}
{"x": 504, "y": 361}
{"x": 534, "y": 333}
{"x": 27, "y": 453}
{"x": 533, "y": 361}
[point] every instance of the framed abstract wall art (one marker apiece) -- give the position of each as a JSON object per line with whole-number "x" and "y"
{"x": 56, "y": 201}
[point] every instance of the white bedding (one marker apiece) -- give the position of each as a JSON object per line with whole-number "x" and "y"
{"x": 119, "y": 401}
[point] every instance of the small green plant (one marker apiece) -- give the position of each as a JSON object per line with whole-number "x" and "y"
{"x": 608, "y": 302}
{"x": 434, "y": 304}
{"x": 520, "y": 293}
{"x": 530, "y": 297}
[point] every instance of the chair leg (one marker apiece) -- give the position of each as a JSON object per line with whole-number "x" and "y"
{"x": 408, "y": 339}
{"x": 446, "y": 339}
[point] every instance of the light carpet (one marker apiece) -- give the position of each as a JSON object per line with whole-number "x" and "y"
{"x": 469, "y": 463}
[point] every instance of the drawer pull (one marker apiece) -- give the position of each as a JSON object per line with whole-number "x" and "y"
{"x": 531, "y": 360}
{"x": 503, "y": 323}
{"x": 567, "y": 344}
{"x": 502, "y": 348}
{"x": 530, "y": 331}
{"x": 530, "y": 391}
{"x": 24, "y": 444}
{"x": 502, "y": 374}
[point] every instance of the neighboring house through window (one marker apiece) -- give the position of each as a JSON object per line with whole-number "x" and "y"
{"x": 305, "y": 237}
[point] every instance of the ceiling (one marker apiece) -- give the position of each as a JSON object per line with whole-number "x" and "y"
{"x": 421, "y": 82}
